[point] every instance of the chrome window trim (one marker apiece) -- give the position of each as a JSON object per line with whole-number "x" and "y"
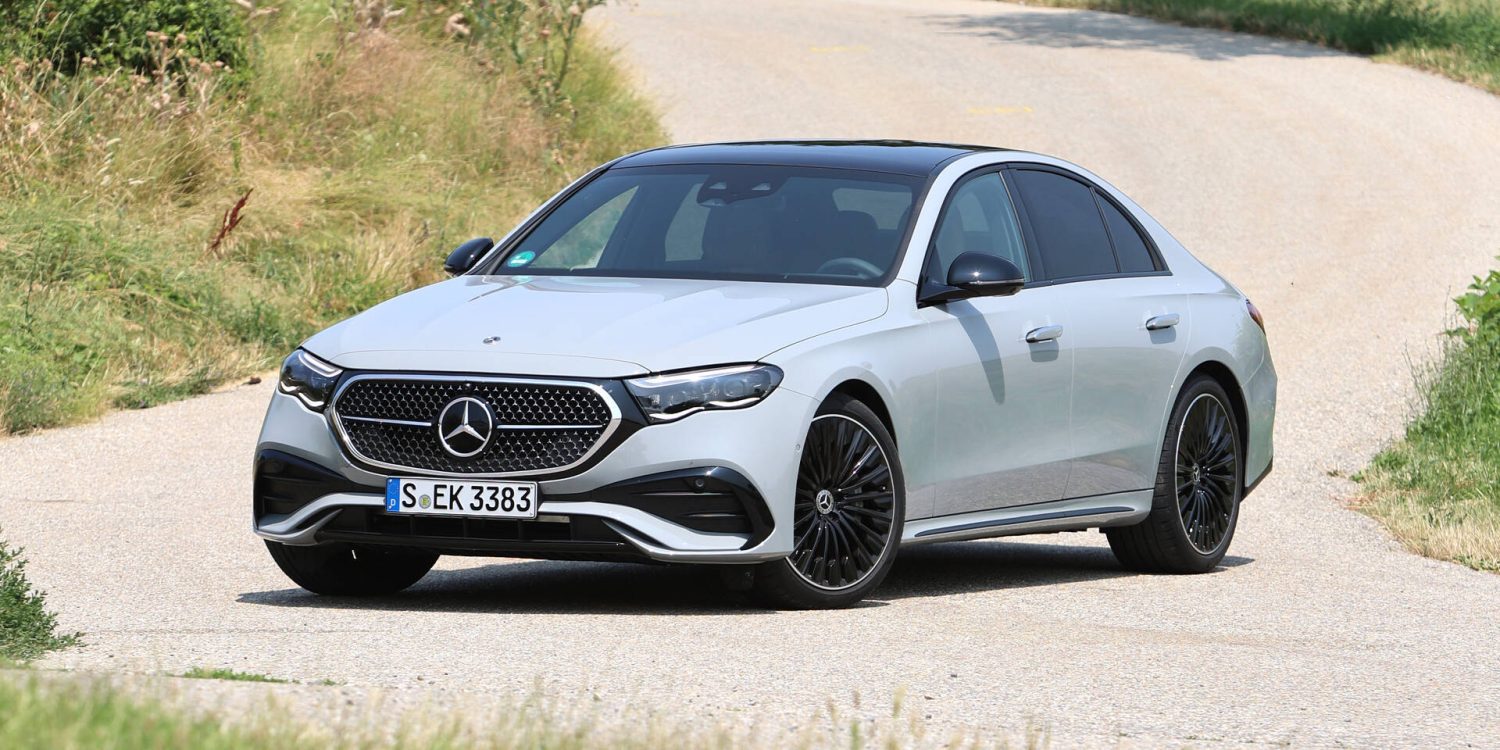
{"x": 336, "y": 422}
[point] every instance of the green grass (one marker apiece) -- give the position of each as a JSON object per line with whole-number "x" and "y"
{"x": 220, "y": 673}
{"x": 34, "y": 714}
{"x": 1438, "y": 489}
{"x": 49, "y": 710}
{"x": 367, "y": 155}
{"x": 1457, "y": 38}
{"x": 27, "y": 629}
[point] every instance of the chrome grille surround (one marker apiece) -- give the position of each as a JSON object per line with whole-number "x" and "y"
{"x": 532, "y": 437}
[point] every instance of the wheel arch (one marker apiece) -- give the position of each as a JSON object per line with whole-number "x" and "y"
{"x": 867, "y": 394}
{"x": 1221, "y": 374}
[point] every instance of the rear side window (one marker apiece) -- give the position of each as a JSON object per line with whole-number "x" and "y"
{"x": 1130, "y": 246}
{"x": 1069, "y": 231}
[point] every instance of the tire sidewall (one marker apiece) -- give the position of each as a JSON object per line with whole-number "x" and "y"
{"x": 780, "y": 584}
{"x": 351, "y": 570}
{"x": 1166, "y": 500}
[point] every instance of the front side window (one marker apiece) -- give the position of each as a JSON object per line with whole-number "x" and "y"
{"x": 732, "y": 222}
{"x": 979, "y": 218}
{"x": 1069, "y": 232}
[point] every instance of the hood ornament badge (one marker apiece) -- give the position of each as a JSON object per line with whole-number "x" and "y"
{"x": 490, "y": 340}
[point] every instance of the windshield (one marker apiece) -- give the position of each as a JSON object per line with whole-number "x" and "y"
{"x": 731, "y": 222}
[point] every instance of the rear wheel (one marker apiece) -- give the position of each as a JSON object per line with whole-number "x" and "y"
{"x": 351, "y": 570}
{"x": 1199, "y": 483}
{"x": 846, "y": 524}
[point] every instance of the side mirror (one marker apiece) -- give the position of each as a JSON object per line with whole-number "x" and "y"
{"x": 977, "y": 275}
{"x": 466, "y": 255}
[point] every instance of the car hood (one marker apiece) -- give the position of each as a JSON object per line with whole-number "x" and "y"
{"x": 589, "y": 326}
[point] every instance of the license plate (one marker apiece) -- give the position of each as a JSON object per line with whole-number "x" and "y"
{"x": 445, "y": 497}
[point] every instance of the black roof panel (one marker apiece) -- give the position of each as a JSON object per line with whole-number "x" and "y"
{"x": 902, "y": 157}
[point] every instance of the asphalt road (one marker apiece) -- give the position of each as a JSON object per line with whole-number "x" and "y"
{"x": 1350, "y": 199}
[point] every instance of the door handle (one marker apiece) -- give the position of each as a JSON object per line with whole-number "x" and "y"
{"x": 1045, "y": 333}
{"x": 1160, "y": 322}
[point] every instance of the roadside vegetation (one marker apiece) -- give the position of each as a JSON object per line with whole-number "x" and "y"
{"x": 1438, "y": 490}
{"x": 221, "y": 673}
{"x": 1457, "y": 38}
{"x": 187, "y": 190}
{"x": 41, "y": 710}
{"x": 27, "y": 629}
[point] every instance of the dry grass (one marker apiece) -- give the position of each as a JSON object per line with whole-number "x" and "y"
{"x": 370, "y": 154}
{"x": 1465, "y": 531}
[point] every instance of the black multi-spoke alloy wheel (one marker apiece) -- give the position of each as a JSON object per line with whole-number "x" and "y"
{"x": 846, "y": 524}
{"x": 351, "y": 570}
{"x": 1199, "y": 484}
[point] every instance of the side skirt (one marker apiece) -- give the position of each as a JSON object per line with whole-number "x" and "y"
{"x": 1076, "y": 514}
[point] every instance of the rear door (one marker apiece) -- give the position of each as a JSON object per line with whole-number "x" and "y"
{"x": 1127, "y": 326}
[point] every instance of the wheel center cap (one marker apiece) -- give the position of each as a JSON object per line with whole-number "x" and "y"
{"x": 1197, "y": 475}
{"x": 824, "y": 502}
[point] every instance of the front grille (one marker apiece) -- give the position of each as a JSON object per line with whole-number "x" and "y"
{"x": 391, "y": 422}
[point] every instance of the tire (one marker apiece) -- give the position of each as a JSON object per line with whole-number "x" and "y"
{"x": 351, "y": 570}
{"x": 1200, "y": 480}
{"x": 847, "y": 516}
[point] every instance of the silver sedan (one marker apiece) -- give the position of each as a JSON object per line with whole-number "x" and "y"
{"x": 788, "y": 359}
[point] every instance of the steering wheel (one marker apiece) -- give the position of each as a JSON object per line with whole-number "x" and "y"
{"x": 850, "y": 266}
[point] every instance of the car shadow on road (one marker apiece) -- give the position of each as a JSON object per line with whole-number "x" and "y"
{"x": 1115, "y": 31}
{"x": 544, "y": 587}
{"x": 967, "y": 567}
{"x": 556, "y": 587}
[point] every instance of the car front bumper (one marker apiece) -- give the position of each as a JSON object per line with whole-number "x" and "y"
{"x": 715, "y": 487}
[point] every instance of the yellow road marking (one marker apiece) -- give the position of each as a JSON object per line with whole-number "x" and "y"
{"x": 1020, "y": 110}
{"x": 838, "y": 48}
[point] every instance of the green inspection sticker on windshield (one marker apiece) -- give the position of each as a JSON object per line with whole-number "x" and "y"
{"x": 521, "y": 259}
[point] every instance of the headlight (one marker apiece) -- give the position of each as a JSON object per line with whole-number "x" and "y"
{"x": 665, "y": 398}
{"x": 308, "y": 378}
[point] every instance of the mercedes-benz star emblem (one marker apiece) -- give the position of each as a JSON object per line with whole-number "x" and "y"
{"x": 465, "y": 426}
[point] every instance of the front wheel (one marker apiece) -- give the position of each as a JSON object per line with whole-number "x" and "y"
{"x": 1199, "y": 483}
{"x": 351, "y": 570}
{"x": 847, "y": 519}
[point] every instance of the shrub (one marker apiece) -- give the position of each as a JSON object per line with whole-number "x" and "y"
{"x": 538, "y": 36}
{"x": 27, "y": 629}
{"x": 1481, "y": 308}
{"x": 113, "y": 32}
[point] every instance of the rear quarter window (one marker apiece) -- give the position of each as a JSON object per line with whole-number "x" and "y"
{"x": 1130, "y": 246}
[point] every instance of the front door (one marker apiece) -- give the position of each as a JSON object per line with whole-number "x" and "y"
{"x": 1002, "y": 405}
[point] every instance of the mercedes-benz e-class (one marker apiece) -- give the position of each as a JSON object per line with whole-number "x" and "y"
{"x": 793, "y": 357}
